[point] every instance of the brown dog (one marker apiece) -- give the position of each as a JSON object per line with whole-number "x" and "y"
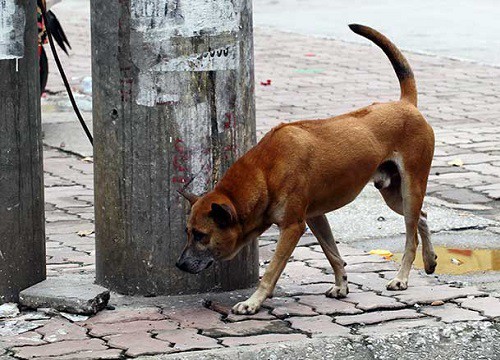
{"x": 300, "y": 171}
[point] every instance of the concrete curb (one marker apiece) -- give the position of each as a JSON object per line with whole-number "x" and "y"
{"x": 472, "y": 340}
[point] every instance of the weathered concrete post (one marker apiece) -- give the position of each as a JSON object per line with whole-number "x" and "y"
{"x": 22, "y": 234}
{"x": 173, "y": 100}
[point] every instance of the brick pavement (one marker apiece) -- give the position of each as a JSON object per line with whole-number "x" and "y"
{"x": 315, "y": 78}
{"x": 310, "y": 78}
{"x": 162, "y": 325}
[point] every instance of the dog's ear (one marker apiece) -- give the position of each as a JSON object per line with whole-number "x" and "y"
{"x": 224, "y": 215}
{"x": 192, "y": 198}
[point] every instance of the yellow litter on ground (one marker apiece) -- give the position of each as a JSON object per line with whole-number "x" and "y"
{"x": 456, "y": 162}
{"x": 385, "y": 253}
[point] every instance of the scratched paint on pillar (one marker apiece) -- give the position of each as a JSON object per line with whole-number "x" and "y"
{"x": 193, "y": 150}
{"x": 185, "y": 18}
{"x": 155, "y": 88}
{"x": 12, "y": 21}
{"x": 222, "y": 58}
{"x": 181, "y": 36}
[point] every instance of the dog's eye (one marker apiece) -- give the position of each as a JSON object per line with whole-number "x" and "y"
{"x": 198, "y": 236}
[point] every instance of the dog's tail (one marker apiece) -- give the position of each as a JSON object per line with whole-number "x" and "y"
{"x": 398, "y": 61}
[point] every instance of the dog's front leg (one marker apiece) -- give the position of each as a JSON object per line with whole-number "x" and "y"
{"x": 289, "y": 237}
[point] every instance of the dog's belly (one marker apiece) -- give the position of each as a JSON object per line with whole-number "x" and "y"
{"x": 334, "y": 199}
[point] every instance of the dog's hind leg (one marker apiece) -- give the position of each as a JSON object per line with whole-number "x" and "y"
{"x": 428, "y": 254}
{"x": 321, "y": 229}
{"x": 394, "y": 199}
{"x": 413, "y": 192}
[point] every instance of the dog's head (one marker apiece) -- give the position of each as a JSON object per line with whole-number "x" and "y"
{"x": 213, "y": 232}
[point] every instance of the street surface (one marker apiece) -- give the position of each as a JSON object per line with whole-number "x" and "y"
{"x": 461, "y": 29}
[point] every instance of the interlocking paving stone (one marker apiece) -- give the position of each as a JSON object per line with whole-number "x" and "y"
{"x": 13, "y": 327}
{"x": 319, "y": 263}
{"x": 371, "y": 301}
{"x": 354, "y": 263}
{"x": 126, "y": 315}
{"x": 72, "y": 239}
{"x": 58, "y": 215}
{"x": 363, "y": 259}
{"x": 100, "y": 330}
{"x": 377, "y": 317}
{"x": 139, "y": 343}
{"x": 91, "y": 354}
{"x": 370, "y": 281}
{"x": 266, "y": 253}
{"x": 298, "y": 272}
{"x": 450, "y": 313}
{"x": 24, "y": 339}
{"x": 261, "y": 315}
{"x": 4, "y": 356}
{"x": 370, "y": 267}
{"x": 262, "y": 339}
{"x": 428, "y": 294}
{"x": 305, "y": 253}
{"x": 66, "y": 255}
{"x": 60, "y": 329}
{"x": 292, "y": 289}
{"x": 307, "y": 240}
{"x": 463, "y": 196}
{"x": 325, "y": 305}
{"x": 396, "y": 326}
{"x": 285, "y": 307}
{"x": 68, "y": 226}
{"x": 59, "y": 348}
{"x": 249, "y": 327}
{"x": 199, "y": 318}
{"x": 320, "y": 325}
{"x": 187, "y": 339}
{"x": 344, "y": 250}
{"x": 488, "y": 306}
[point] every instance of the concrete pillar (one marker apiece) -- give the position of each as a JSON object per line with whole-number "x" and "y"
{"x": 173, "y": 102}
{"x": 22, "y": 234}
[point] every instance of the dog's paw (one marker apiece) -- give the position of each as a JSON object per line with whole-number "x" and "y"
{"x": 246, "y": 308}
{"x": 337, "y": 292}
{"x": 397, "y": 284}
{"x": 430, "y": 264}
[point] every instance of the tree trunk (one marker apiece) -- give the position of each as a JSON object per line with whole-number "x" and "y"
{"x": 173, "y": 102}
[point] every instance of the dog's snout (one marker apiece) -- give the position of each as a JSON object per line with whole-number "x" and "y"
{"x": 193, "y": 261}
{"x": 181, "y": 265}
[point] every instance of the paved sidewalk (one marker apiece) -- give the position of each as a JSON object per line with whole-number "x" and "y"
{"x": 310, "y": 78}
{"x": 299, "y": 312}
{"x": 314, "y": 78}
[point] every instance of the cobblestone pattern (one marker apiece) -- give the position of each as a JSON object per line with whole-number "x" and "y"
{"x": 300, "y": 310}
{"x": 313, "y": 78}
